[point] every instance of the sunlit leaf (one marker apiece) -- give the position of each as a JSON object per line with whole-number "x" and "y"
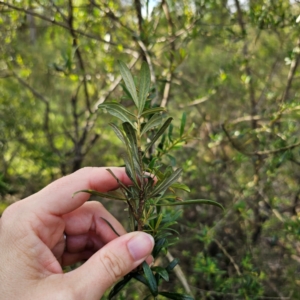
{"x": 151, "y": 279}
{"x": 118, "y": 111}
{"x": 180, "y": 186}
{"x": 129, "y": 82}
{"x": 144, "y": 86}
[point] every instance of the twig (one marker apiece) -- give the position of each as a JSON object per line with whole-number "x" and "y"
{"x": 291, "y": 74}
{"x": 229, "y": 257}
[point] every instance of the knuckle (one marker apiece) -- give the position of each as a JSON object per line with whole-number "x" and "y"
{"x": 113, "y": 265}
{"x": 10, "y": 212}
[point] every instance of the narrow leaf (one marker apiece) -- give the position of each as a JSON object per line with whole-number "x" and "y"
{"x": 118, "y": 132}
{"x": 112, "y": 228}
{"x": 129, "y": 82}
{"x": 176, "y": 296}
{"x": 118, "y": 111}
{"x": 151, "y": 279}
{"x": 182, "y": 125}
{"x": 159, "y": 133}
{"x": 189, "y": 202}
{"x": 172, "y": 265}
{"x": 153, "y": 122}
{"x": 180, "y": 186}
{"x": 140, "y": 278}
{"x": 144, "y": 86}
{"x": 159, "y": 244}
{"x": 162, "y": 272}
{"x": 128, "y": 158}
{"x": 153, "y": 110}
{"x": 131, "y": 135}
{"x": 119, "y": 286}
{"x": 162, "y": 186}
{"x": 118, "y": 180}
{"x": 99, "y": 194}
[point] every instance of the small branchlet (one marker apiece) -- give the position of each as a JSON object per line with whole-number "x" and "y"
{"x": 153, "y": 183}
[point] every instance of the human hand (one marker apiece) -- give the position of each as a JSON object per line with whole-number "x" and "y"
{"x": 33, "y": 248}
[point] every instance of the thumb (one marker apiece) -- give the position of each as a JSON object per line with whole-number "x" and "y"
{"x": 110, "y": 263}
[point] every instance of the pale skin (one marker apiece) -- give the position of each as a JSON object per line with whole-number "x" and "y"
{"x": 33, "y": 250}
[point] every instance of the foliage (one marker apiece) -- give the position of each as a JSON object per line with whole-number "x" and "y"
{"x": 231, "y": 66}
{"x": 153, "y": 183}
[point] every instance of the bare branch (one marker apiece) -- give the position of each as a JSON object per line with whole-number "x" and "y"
{"x": 229, "y": 257}
{"x": 78, "y": 54}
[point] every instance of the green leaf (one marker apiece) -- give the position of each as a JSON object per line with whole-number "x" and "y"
{"x": 151, "y": 279}
{"x": 180, "y": 186}
{"x": 176, "y": 296}
{"x": 170, "y": 133}
{"x": 159, "y": 244}
{"x": 190, "y": 202}
{"x": 172, "y": 265}
{"x": 153, "y": 122}
{"x": 183, "y": 122}
{"x": 128, "y": 159}
{"x": 118, "y": 133}
{"x": 153, "y": 110}
{"x": 144, "y": 86}
{"x": 131, "y": 135}
{"x": 118, "y": 180}
{"x": 119, "y": 286}
{"x": 165, "y": 183}
{"x": 159, "y": 133}
{"x": 141, "y": 279}
{"x": 129, "y": 82}
{"x": 112, "y": 228}
{"x": 118, "y": 111}
{"x": 99, "y": 194}
{"x": 162, "y": 272}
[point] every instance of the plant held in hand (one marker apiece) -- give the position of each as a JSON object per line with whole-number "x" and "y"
{"x": 153, "y": 183}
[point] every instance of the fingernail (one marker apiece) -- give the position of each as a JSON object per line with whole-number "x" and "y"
{"x": 140, "y": 245}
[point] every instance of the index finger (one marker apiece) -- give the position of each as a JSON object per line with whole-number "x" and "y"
{"x": 56, "y": 198}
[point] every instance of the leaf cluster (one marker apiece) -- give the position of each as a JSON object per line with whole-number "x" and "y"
{"x": 154, "y": 185}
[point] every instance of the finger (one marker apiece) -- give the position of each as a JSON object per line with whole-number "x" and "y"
{"x": 90, "y": 218}
{"x": 57, "y": 198}
{"x": 109, "y": 264}
{"x": 78, "y": 243}
{"x": 69, "y": 259}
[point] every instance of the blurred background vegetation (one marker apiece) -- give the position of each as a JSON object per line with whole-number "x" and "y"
{"x": 232, "y": 66}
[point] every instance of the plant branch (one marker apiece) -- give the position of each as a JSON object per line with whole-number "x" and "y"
{"x": 291, "y": 74}
{"x": 169, "y": 77}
